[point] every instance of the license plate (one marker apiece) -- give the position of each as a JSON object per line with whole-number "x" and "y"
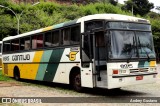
{"x": 139, "y": 77}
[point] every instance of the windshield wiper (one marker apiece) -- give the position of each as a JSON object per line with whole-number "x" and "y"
{"x": 131, "y": 53}
{"x": 143, "y": 49}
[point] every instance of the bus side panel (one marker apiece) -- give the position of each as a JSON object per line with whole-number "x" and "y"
{"x": 49, "y": 65}
{"x": 28, "y": 67}
{"x": 69, "y": 59}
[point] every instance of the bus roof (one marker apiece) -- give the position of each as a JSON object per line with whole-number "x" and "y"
{"x": 82, "y": 19}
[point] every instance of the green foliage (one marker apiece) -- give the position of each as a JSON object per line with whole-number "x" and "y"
{"x": 72, "y": 12}
{"x": 156, "y": 27}
{"x": 113, "y": 2}
{"x": 7, "y": 25}
{"x": 158, "y": 8}
{"x": 46, "y": 14}
{"x": 141, "y": 7}
{"x": 153, "y": 15}
{"x": 101, "y": 8}
{"x": 156, "y": 31}
{"x": 4, "y": 78}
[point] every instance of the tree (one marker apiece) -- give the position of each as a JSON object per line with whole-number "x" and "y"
{"x": 141, "y": 7}
{"x": 158, "y": 8}
{"x": 113, "y": 2}
{"x": 153, "y": 15}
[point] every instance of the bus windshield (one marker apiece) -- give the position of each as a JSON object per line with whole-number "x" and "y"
{"x": 132, "y": 43}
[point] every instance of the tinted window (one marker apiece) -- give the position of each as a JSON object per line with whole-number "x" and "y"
{"x": 125, "y": 25}
{"x": 93, "y": 24}
{"x": 48, "y": 39}
{"x": 22, "y": 44}
{"x": 15, "y": 45}
{"x": 37, "y": 41}
{"x": 55, "y": 38}
{"x": 27, "y": 43}
{"x": 65, "y": 38}
{"x": 75, "y": 35}
{"x": 6, "y": 46}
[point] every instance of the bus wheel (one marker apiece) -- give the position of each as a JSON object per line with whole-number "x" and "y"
{"x": 76, "y": 82}
{"x": 16, "y": 74}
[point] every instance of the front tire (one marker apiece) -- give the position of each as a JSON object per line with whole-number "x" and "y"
{"x": 76, "y": 82}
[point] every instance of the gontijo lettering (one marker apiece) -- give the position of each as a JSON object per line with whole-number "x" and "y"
{"x": 21, "y": 57}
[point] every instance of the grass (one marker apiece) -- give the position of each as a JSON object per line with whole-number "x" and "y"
{"x": 4, "y": 78}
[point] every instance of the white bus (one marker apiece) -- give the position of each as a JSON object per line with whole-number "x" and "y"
{"x": 101, "y": 50}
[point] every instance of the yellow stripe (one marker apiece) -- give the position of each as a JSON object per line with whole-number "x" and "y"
{"x": 48, "y": 28}
{"x": 30, "y": 70}
{"x": 37, "y": 58}
{"x": 152, "y": 63}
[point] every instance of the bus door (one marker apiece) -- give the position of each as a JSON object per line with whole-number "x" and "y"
{"x": 93, "y": 59}
{"x": 99, "y": 58}
{"x": 86, "y": 60}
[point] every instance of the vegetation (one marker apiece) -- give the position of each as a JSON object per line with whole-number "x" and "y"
{"x": 4, "y": 78}
{"x": 47, "y": 13}
{"x": 141, "y": 7}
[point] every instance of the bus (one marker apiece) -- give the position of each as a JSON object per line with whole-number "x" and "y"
{"x": 0, "y": 55}
{"x": 95, "y": 51}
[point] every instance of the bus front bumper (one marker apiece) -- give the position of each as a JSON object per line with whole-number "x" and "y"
{"x": 118, "y": 81}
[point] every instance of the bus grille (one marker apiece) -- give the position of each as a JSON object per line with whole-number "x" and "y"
{"x": 139, "y": 70}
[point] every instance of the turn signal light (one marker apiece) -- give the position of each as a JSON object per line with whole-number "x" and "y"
{"x": 115, "y": 71}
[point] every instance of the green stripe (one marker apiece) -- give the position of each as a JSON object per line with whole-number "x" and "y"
{"x": 58, "y": 25}
{"x": 52, "y": 68}
{"x": 142, "y": 64}
{"x": 42, "y": 67}
{"x": 65, "y": 24}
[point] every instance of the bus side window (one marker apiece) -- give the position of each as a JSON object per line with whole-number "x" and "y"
{"x": 15, "y": 45}
{"x": 27, "y": 43}
{"x": 48, "y": 39}
{"x": 55, "y": 38}
{"x": 75, "y": 34}
{"x": 6, "y": 46}
{"x": 37, "y": 41}
{"x": 22, "y": 44}
{"x": 65, "y": 36}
